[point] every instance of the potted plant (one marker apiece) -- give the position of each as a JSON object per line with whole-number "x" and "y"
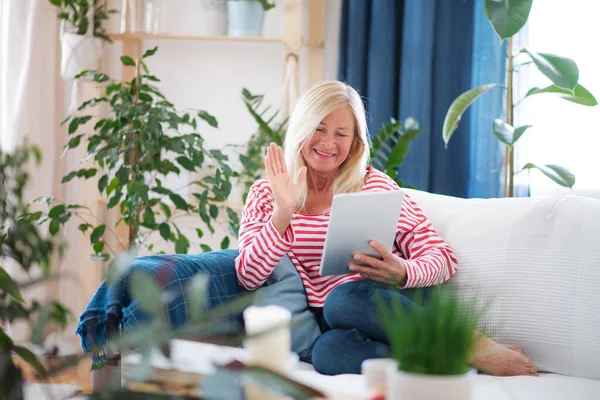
{"x": 82, "y": 34}
{"x": 432, "y": 344}
{"x": 23, "y": 251}
{"x": 132, "y": 154}
{"x": 507, "y": 18}
{"x": 246, "y": 17}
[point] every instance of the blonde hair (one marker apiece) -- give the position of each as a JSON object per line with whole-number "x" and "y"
{"x": 318, "y": 102}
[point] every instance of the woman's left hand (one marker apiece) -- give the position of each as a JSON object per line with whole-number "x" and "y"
{"x": 389, "y": 269}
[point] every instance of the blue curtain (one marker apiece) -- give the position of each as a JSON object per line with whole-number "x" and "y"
{"x": 412, "y": 58}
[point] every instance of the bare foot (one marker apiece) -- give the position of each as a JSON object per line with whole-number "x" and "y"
{"x": 502, "y": 360}
{"x": 514, "y": 347}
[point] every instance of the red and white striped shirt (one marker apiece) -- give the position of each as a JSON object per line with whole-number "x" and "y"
{"x": 428, "y": 259}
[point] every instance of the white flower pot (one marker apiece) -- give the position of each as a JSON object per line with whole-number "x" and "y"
{"x": 246, "y": 18}
{"x": 403, "y": 385}
{"x": 78, "y": 53}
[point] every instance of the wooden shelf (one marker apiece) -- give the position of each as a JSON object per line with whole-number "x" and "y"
{"x": 248, "y": 39}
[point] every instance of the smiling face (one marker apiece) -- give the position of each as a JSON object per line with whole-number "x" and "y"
{"x": 330, "y": 143}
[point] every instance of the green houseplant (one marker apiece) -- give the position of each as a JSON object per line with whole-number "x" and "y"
{"x": 133, "y": 153}
{"x": 23, "y": 248}
{"x": 82, "y": 34}
{"x": 507, "y": 18}
{"x": 432, "y": 344}
{"x": 388, "y": 147}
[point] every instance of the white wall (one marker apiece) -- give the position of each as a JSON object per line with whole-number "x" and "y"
{"x": 210, "y": 75}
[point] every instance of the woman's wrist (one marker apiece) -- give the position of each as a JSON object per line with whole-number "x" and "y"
{"x": 281, "y": 219}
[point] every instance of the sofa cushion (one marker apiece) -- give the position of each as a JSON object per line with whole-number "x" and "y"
{"x": 535, "y": 265}
{"x": 284, "y": 288}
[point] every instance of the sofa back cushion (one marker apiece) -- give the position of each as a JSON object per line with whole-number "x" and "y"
{"x": 535, "y": 265}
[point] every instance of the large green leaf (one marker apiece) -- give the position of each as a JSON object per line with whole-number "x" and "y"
{"x": 507, "y": 16}
{"x": 198, "y": 290}
{"x": 8, "y": 285}
{"x": 147, "y": 292}
{"x": 30, "y": 358}
{"x": 562, "y": 71}
{"x": 557, "y": 173}
{"x": 459, "y": 106}
{"x": 506, "y": 133}
{"x": 580, "y": 95}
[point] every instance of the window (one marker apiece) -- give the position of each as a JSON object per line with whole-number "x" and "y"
{"x": 563, "y": 133}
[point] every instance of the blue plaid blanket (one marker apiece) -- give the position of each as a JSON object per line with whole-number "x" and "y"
{"x": 112, "y": 308}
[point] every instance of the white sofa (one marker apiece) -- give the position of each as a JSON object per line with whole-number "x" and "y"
{"x": 536, "y": 263}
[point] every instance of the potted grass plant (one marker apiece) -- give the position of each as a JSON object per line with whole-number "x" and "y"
{"x": 432, "y": 343}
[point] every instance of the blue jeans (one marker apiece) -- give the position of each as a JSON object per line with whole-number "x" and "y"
{"x": 352, "y": 332}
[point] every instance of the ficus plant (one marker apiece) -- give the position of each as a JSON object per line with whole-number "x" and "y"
{"x": 76, "y": 14}
{"x": 507, "y": 18}
{"x": 25, "y": 249}
{"x": 132, "y": 154}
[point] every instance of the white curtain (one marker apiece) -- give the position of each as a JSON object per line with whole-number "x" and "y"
{"x": 33, "y": 99}
{"x": 563, "y": 133}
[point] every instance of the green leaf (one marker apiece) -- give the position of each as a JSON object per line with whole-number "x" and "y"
{"x": 30, "y": 358}
{"x": 506, "y": 133}
{"x": 179, "y": 201}
{"x": 181, "y": 246}
{"x": 7, "y": 285}
{"x": 580, "y": 95}
{"x": 126, "y": 60}
{"x": 84, "y": 227}
{"x": 507, "y": 16}
{"x": 74, "y": 142}
{"x": 69, "y": 176}
{"x": 186, "y": 163}
{"x": 57, "y": 210}
{"x": 459, "y": 106}
{"x": 165, "y": 209}
{"x": 97, "y": 233}
{"x": 102, "y": 183}
{"x": 147, "y": 292}
{"x": 73, "y": 125}
{"x": 114, "y": 183}
{"x": 199, "y": 233}
{"x": 233, "y": 216}
{"x": 214, "y": 211}
{"x": 400, "y": 149}
{"x": 145, "y": 97}
{"x": 54, "y": 227}
{"x": 197, "y": 291}
{"x": 225, "y": 243}
{"x": 123, "y": 175}
{"x": 558, "y": 174}
{"x": 165, "y": 230}
{"x": 212, "y": 121}
{"x": 562, "y": 71}
{"x": 56, "y": 3}
{"x": 205, "y": 248}
{"x": 98, "y": 247}
{"x": 150, "y": 52}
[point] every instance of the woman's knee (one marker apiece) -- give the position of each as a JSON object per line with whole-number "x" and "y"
{"x": 347, "y": 302}
{"x": 343, "y": 352}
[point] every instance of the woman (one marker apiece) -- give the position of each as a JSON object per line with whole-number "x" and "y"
{"x": 327, "y": 150}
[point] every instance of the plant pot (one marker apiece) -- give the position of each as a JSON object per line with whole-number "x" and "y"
{"x": 108, "y": 376}
{"x": 402, "y": 385}
{"x": 246, "y": 18}
{"x": 78, "y": 53}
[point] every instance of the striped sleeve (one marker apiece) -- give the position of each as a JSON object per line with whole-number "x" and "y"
{"x": 260, "y": 244}
{"x": 428, "y": 258}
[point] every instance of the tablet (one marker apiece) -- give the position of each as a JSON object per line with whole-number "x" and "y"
{"x": 355, "y": 219}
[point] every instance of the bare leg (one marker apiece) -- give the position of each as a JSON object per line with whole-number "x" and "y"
{"x": 500, "y": 360}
